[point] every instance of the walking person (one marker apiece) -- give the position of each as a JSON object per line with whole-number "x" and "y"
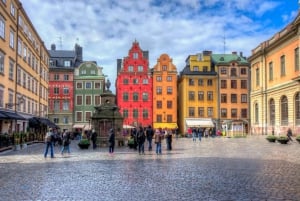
{"x": 289, "y": 134}
{"x": 149, "y": 135}
{"x": 157, "y": 139}
{"x": 141, "y": 140}
{"x": 199, "y": 134}
{"x": 94, "y": 139}
{"x": 168, "y": 136}
{"x": 111, "y": 141}
{"x": 66, "y": 142}
{"x": 194, "y": 133}
{"x": 49, "y": 138}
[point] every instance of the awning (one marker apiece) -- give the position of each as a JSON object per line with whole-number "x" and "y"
{"x": 12, "y": 115}
{"x": 87, "y": 127}
{"x": 199, "y": 123}
{"x": 47, "y": 122}
{"x": 127, "y": 126}
{"x": 165, "y": 125}
{"x": 78, "y": 126}
{"x": 3, "y": 116}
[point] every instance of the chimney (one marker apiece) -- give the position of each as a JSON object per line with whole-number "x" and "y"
{"x": 53, "y": 47}
{"x": 146, "y": 54}
{"x": 235, "y": 53}
{"x": 119, "y": 65}
{"x": 78, "y": 52}
{"x": 241, "y": 54}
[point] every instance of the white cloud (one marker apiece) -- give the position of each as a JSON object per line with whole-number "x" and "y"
{"x": 106, "y": 29}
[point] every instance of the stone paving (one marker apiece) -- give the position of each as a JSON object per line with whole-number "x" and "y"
{"x": 214, "y": 169}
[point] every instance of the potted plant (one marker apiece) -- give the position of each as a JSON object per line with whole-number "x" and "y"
{"x": 17, "y": 141}
{"x": 283, "y": 139}
{"x": 271, "y": 138}
{"x": 84, "y": 144}
{"x": 23, "y": 140}
{"x": 298, "y": 138}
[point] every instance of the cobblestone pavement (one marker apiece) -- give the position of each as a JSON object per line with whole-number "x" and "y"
{"x": 214, "y": 169}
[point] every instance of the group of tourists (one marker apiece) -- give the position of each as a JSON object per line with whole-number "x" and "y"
{"x": 50, "y": 141}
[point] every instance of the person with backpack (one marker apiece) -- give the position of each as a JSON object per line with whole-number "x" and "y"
{"x": 149, "y": 135}
{"x": 49, "y": 137}
{"x": 111, "y": 141}
{"x": 141, "y": 140}
{"x": 66, "y": 143}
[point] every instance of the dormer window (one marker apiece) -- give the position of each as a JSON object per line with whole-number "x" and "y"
{"x": 135, "y": 55}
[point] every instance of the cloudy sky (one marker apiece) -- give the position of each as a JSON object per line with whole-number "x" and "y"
{"x": 106, "y": 28}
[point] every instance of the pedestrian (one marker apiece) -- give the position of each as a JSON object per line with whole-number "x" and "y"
{"x": 66, "y": 143}
{"x": 289, "y": 134}
{"x": 157, "y": 139}
{"x": 141, "y": 140}
{"x": 149, "y": 135}
{"x": 199, "y": 134}
{"x": 177, "y": 133}
{"x": 194, "y": 133}
{"x": 94, "y": 138}
{"x": 134, "y": 136}
{"x": 49, "y": 138}
{"x": 111, "y": 141}
{"x": 168, "y": 136}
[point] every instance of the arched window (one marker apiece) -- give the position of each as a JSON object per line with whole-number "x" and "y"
{"x": 284, "y": 111}
{"x": 297, "y": 108}
{"x": 256, "y": 113}
{"x": 272, "y": 112}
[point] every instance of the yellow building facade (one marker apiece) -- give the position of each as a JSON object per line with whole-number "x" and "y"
{"x": 164, "y": 93}
{"x": 23, "y": 69}
{"x": 197, "y": 93}
{"x": 275, "y": 83}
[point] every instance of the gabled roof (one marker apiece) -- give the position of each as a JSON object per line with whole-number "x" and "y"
{"x": 228, "y": 58}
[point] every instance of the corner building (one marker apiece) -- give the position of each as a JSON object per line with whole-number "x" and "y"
{"x": 134, "y": 87}
{"x": 275, "y": 83}
{"x": 164, "y": 93}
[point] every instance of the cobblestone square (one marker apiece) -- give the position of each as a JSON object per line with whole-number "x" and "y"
{"x": 214, "y": 169}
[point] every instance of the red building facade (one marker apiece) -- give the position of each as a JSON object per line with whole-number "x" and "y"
{"x": 134, "y": 87}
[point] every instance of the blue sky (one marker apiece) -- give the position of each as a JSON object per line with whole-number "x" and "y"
{"x": 106, "y": 28}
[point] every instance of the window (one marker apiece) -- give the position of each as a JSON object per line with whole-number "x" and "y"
{"x": 191, "y": 95}
{"x": 244, "y": 98}
{"x": 243, "y": 71}
{"x": 56, "y": 105}
{"x": 88, "y": 116}
{"x": 66, "y": 90}
{"x": 135, "y": 96}
{"x": 169, "y": 90}
{"x": 159, "y": 104}
{"x": 233, "y": 72}
{"x": 24, "y": 53}
{"x": 191, "y": 111}
{"x": 145, "y": 114}
{"x": 169, "y": 78}
{"x": 125, "y": 96}
{"x": 1, "y": 97}
{"x": 56, "y": 90}
{"x": 24, "y": 80}
{"x": 256, "y": 113}
{"x": 79, "y": 85}
{"x": 67, "y": 63}
{"x": 56, "y": 120}
{"x": 66, "y": 77}
{"x": 158, "y": 78}
{"x": 135, "y": 81}
{"x": 196, "y": 68}
{"x": 66, "y": 105}
{"x": 210, "y": 96}
{"x": 297, "y": 108}
{"x": 164, "y": 67}
{"x": 11, "y": 39}
{"x": 210, "y": 111}
{"x": 140, "y": 68}
{"x": 93, "y": 72}
{"x": 233, "y": 84}
{"x": 223, "y": 98}
{"x": 233, "y": 113}
{"x": 12, "y": 9}
{"x": 135, "y": 55}
{"x": 257, "y": 76}
{"x": 284, "y": 111}
{"x": 272, "y": 112}
{"x": 145, "y": 81}
{"x": 205, "y": 68}
{"x": 130, "y": 68}
{"x": 125, "y": 81}
{"x": 201, "y": 111}
{"x": 282, "y": 65}
{"x": 19, "y": 46}
{"x": 271, "y": 71}
{"x": 169, "y": 104}
{"x": 145, "y": 96}
{"x": 11, "y": 70}
{"x": 209, "y": 82}
{"x": 83, "y": 72}
{"x": 200, "y": 82}
{"x": 158, "y": 90}
{"x": 88, "y": 100}
{"x": 169, "y": 118}
{"x": 97, "y": 85}
{"x": 1, "y": 62}
{"x": 97, "y": 100}
{"x": 135, "y": 113}
{"x": 296, "y": 52}
{"x": 200, "y": 95}
{"x": 244, "y": 113}
{"x": 65, "y": 120}
{"x": 223, "y": 113}
{"x": 79, "y": 100}
{"x": 233, "y": 98}
{"x": 56, "y": 76}
{"x": 78, "y": 116}
{"x": 2, "y": 27}
{"x": 223, "y": 84}
{"x": 125, "y": 113}
{"x": 223, "y": 71}
{"x": 88, "y": 85}
{"x": 191, "y": 82}
{"x": 244, "y": 84}
{"x": 159, "y": 118}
